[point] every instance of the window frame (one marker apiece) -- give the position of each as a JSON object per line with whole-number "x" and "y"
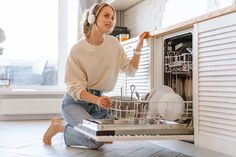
{"x": 64, "y": 7}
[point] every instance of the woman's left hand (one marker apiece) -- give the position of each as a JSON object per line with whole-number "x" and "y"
{"x": 144, "y": 35}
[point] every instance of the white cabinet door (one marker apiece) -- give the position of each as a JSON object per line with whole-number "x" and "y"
{"x": 142, "y": 77}
{"x": 215, "y": 84}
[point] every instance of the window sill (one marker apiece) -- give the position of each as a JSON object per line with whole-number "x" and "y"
{"x": 28, "y": 92}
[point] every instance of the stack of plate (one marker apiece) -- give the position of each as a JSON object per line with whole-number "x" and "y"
{"x": 164, "y": 102}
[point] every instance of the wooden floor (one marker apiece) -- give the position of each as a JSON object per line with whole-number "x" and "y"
{"x": 24, "y": 139}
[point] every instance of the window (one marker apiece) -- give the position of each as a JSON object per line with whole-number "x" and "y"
{"x": 37, "y": 34}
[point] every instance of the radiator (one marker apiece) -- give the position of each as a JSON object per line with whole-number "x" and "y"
{"x": 30, "y": 106}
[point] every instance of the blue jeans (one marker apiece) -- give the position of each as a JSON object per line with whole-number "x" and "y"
{"x": 74, "y": 112}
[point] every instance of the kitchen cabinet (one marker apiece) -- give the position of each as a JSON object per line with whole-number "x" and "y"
{"x": 142, "y": 79}
{"x": 213, "y": 79}
{"x": 215, "y": 83}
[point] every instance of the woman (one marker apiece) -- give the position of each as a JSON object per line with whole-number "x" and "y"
{"x": 92, "y": 68}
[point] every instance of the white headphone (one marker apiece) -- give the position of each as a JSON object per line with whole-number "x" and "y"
{"x": 91, "y": 16}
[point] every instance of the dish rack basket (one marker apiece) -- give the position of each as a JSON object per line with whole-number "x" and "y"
{"x": 123, "y": 109}
{"x": 133, "y": 122}
{"x": 178, "y": 63}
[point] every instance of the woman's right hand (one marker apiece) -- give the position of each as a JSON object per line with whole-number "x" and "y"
{"x": 104, "y": 102}
{"x": 144, "y": 35}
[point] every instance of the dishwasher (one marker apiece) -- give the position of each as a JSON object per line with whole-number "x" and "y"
{"x": 165, "y": 113}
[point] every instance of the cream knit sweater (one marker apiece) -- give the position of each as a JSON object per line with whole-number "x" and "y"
{"x": 96, "y": 67}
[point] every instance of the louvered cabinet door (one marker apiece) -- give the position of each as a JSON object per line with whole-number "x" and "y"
{"x": 119, "y": 86}
{"x": 142, "y": 76}
{"x": 215, "y": 84}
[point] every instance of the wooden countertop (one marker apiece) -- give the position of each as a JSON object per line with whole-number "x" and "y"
{"x": 189, "y": 23}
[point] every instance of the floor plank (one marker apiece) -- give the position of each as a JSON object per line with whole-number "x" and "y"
{"x": 24, "y": 139}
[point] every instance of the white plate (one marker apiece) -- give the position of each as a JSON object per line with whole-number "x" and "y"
{"x": 170, "y": 106}
{"x": 155, "y": 95}
{"x": 159, "y": 90}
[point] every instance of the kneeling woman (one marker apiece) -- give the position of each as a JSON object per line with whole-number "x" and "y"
{"x": 92, "y": 68}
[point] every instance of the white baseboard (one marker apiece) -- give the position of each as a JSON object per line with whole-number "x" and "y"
{"x": 29, "y": 117}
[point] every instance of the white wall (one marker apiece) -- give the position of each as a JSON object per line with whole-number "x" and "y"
{"x": 151, "y": 15}
{"x": 144, "y": 16}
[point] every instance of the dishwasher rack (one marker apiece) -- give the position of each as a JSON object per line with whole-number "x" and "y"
{"x": 121, "y": 109}
{"x": 131, "y": 120}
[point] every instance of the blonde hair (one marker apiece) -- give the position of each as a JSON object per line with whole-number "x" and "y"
{"x": 86, "y": 27}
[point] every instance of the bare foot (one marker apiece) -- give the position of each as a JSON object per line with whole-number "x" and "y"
{"x": 55, "y": 127}
{"x": 108, "y": 142}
